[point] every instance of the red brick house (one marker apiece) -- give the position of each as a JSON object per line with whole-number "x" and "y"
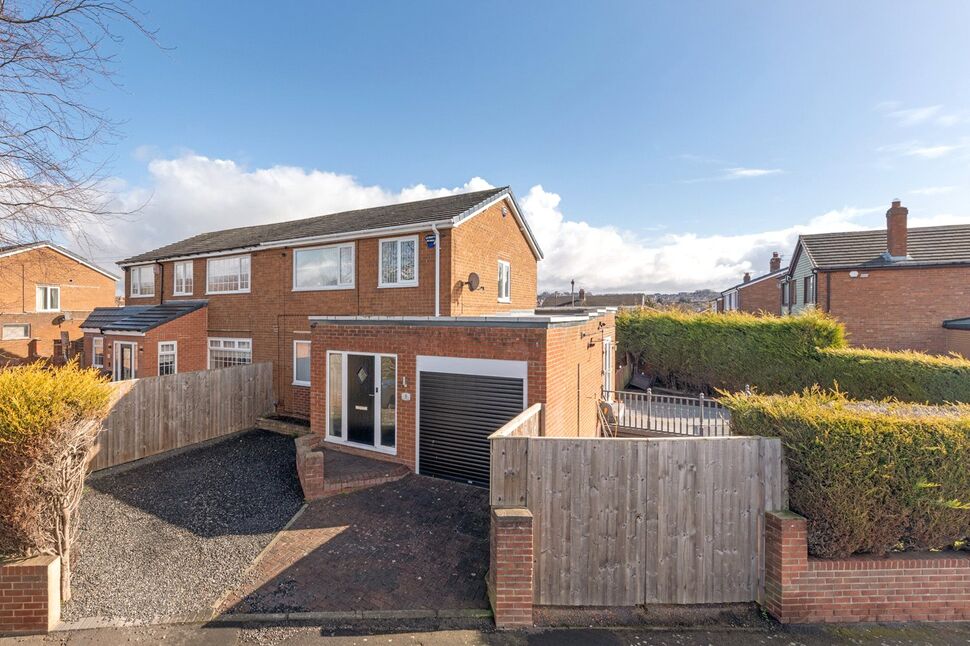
{"x": 45, "y": 293}
{"x": 892, "y": 288}
{"x": 754, "y": 295}
{"x": 383, "y": 325}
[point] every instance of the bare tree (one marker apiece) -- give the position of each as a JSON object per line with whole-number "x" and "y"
{"x": 51, "y": 53}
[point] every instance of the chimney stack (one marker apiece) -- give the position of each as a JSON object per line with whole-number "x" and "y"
{"x": 896, "y": 230}
{"x": 775, "y": 263}
{"x": 747, "y": 276}
{"x": 582, "y": 295}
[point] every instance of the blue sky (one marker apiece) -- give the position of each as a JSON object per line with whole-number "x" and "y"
{"x": 685, "y": 140}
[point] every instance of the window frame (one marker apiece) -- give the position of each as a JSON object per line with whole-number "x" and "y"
{"x": 785, "y": 294}
{"x": 380, "y": 262}
{"x": 190, "y": 279}
{"x": 175, "y": 357}
{"x": 508, "y": 281}
{"x": 47, "y": 290}
{"x": 3, "y": 334}
{"x": 808, "y": 289}
{"x": 353, "y": 262}
{"x": 208, "y": 274}
{"x": 296, "y": 381}
{"x": 94, "y": 352}
{"x": 131, "y": 282}
{"x": 222, "y": 339}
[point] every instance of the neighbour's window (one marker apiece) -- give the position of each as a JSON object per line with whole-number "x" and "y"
{"x": 730, "y": 301}
{"x": 324, "y": 267}
{"x": 184, "y": 285}
{"x": 784, "y": 294}
{"x": 225, "y": 353}
{"x": 14, "y": 331}
{"x": 167, "y": 358}
{"x": 97, "y": 352}
{"x": 48, "y": 298}
{"x": 809, "y": 287}
{"x": 504, "y": 281}
{"x": 228, "y": 275}
{"x": 301, "y": 363}
{"x": 142, "y": 280}
{"x": 399, "y": 262}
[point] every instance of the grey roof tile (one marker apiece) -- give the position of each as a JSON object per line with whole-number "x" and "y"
{"x": 391, "y": 215}
{"x": 925, "y": 246}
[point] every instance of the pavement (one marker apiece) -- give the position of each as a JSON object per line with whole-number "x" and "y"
{"x": 441, "y": 635}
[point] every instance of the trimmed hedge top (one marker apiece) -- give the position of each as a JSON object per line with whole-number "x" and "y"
{"x": 869, "y": 476}
{"x": 728, "y": 351}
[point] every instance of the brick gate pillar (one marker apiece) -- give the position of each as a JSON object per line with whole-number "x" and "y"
{"x": 511, "y": 567}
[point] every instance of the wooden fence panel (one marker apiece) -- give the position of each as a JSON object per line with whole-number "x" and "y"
{"x": 622, "y": 522}
{"x": 158, "y": 414}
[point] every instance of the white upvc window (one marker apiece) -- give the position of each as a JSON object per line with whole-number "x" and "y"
{"x": 16, "y": 331}
{"x": 184, "y": 285}
{"x": 301, "y": 363}
{"x": 48, "y": 298}
{"x": 142, "y": 280}
{"x": 97, "y": 352}
{"x": 229, "y": 275}
{"x": 225, "y": 353}
{"x": 504, "y": 282}
{"x": 731, "y": 301}
{"x": 398, "y": 264}
{"x": 320, "y": 268}
{"x": 167, "y": 358}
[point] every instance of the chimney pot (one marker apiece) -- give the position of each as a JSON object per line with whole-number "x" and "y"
{"x": 896, "y": 230}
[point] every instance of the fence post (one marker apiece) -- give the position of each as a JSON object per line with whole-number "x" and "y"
{"x": 649, "y": 404}
{"x": 700, "y": 428}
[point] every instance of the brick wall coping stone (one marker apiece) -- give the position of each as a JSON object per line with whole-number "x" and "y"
{"x": 515, "y": 319}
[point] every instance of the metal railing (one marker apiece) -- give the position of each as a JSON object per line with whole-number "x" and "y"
{"x": 663, "y": 413}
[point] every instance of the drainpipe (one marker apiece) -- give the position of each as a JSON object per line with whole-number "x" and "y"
{"x": 437, "y": 270}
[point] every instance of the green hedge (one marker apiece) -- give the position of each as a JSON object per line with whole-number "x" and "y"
{"x": 869, "y": 477}
{"x": 711, "y": 351}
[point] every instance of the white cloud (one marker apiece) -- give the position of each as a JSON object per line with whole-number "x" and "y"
{"x": 933, "y": 190}
{"x": 924, "y": 115}
{"x": 940, "y": 219}
{"x": 738, "y": 173}
{"x": 917, "y": 149}
{"x": 192, "y": 194}
{"x": 915, "y": 116}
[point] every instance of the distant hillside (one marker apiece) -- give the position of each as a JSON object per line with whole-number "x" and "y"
{"x": 696, "y": 300}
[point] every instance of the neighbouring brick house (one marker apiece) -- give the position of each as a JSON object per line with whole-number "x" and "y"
{"x": 754, "y": 295}
{"x": 45, "y": 293}
{"x": 368, "y": 308}
{"x": 892, "y": 288}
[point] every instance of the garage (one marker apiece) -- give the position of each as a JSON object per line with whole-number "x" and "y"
{"x": 460, "y": 403}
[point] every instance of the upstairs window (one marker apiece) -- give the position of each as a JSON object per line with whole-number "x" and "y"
{"x": 16, "y": 331}
{"x": 225, "y": 353}
{"x": 228, "y": 275}
{"x": 324, "y": 268}
{"x": 97, "y": 352}
{"x": 142, "y": 280}
{"x": 399, "y": 262}
{"x": 504, "y": 282}
{"x": 167, "y": 358}
{"x": 184, "y": 285}
{"x": 48, "y": 298}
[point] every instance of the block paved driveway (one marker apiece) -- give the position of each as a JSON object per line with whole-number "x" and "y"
{"x": 418, "y": 543}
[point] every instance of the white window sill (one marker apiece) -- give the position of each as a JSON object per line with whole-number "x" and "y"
{"x": 505, "y": 300}
{"x": 335, "y": 288}
{"x": 396, "y": 285}
{"x": 181, "y": 293}
{"x": 238, "y": 291}
{"x": 141, "y": 296}
{"x": 305, "y": 384}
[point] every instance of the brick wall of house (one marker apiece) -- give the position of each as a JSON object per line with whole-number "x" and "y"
{"x": 574, "y": 367}
{"x": 800, "y": 589}
{"x": 479, "y": 244}
{"x": 30, "y": 595}
{"x": 81, "y": 290}
{"x": 897, "y": 308}
{"x": 760, "y": 296}
{"x": 957, "y": 341}
{"x": 273, "y": 315}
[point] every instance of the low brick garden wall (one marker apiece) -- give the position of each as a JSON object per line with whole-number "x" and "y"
{"x": 30, "y": 595}
{"x": 907, "y": 587}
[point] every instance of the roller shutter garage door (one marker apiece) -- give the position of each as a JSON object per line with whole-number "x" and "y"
{"x": 457, "y": 413}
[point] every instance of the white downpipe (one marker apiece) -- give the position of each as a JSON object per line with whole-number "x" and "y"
{"x": 437, "y": 270}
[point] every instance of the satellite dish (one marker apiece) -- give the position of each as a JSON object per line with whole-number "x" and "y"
{"x": 473, "y": 281}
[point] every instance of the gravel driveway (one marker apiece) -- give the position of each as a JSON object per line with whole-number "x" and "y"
{"x": 169, "y": 537}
